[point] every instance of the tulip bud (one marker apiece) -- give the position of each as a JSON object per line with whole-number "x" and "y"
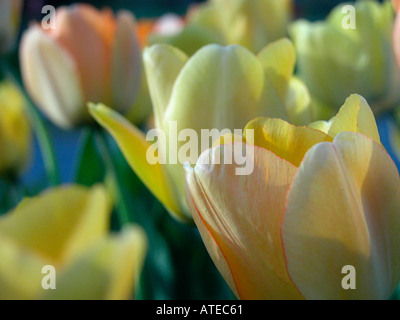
{"x": 10, "y": 14}
{"x": 218, "y": 88}
{"x": 335, "y": 60}
{"x": 317, "y": 203}
{"x": 91, "y": 56}
{"x": 15, "y": 132}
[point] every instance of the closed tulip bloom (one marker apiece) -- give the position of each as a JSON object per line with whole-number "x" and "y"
{"x": 317, "y": 201}
{"x": 15, "y": 131}
{"x": 335, "y": 60}
{"x": 218, "y": 88}
{"x": 10, "y": 15}
{"x": 90, "y": 56}
{"x": 67, "y": 228}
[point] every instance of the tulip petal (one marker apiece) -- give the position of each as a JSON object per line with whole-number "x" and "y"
{"x": 239, "y": 217}
{"x": 59, "y": 224}
{"x": 355, "y": 116}
{"x": 127, "y": 63}
{"x": 107, "y": 271}
{"x": 163, "y": 64}
{"x": 343, "y": 209}
{"x": 42, "y": 61}
{"x": 86, "y": 34}
{"x": 134, "y": 146}
{"x": 285, "y": 140}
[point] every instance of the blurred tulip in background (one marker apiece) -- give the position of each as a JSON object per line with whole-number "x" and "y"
{"x": 335, "y": 62}
{"x": 91, "y": 56}
{"x": 67, "y": 228}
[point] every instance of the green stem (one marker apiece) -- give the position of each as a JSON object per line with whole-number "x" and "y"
{"x": 106, "y": 154}
{"x": 41, "y": 132}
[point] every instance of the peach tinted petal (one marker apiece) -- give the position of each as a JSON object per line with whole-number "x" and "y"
{"x": 126, "y": 64}
{"x": 343, "y": 209}
{"x": 89, "y": 45}
{"x": 239, "y": 217}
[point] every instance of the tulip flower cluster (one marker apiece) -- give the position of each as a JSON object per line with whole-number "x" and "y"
{"x": 317, "y": 215}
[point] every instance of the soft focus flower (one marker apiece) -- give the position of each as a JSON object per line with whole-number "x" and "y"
{"x": 316, "y": 202}
{"x": 252, "y": 24}
{"x": 218, "y": 88}
{"x": 335, "y": 62}
{"x": 67, "y": 228}
{"x": 10, "y": 14}
{"x": 91, "y": 56}
{"x": 15, "y": 131}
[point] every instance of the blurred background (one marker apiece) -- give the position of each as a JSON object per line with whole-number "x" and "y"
{"x": 67, "y": 142}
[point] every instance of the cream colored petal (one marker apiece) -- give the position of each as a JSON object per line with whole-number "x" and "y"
{"x": 43, "y": 62}
{"x": 343, "y": 209}
{"x": 163, "y": 64}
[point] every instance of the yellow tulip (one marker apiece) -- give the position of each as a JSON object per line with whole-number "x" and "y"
{"x": 91, "y": 56}
{"x": 66, "y": 228}
{"x": 316, "y": 202}
{"x": 10, "y": 14}
{"x": 250, "y": 23}
{"x": 218, "y": 88}
{"x": 335, "y": 62}
{"x": 15, "y": 131}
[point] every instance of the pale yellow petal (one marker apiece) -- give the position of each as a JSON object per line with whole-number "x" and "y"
{"x": 285, "y": 140}
{"x": 108, "y": 271}
{"x": 163, "y": 64}
{"x": 60, "y": 223}
{"x": 343, "y": 209}
{"x": 355, "y": 116}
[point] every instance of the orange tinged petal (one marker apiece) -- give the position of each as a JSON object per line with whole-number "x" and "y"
{"x": 84, "y": 34}
{"x": 239, "y": 217}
